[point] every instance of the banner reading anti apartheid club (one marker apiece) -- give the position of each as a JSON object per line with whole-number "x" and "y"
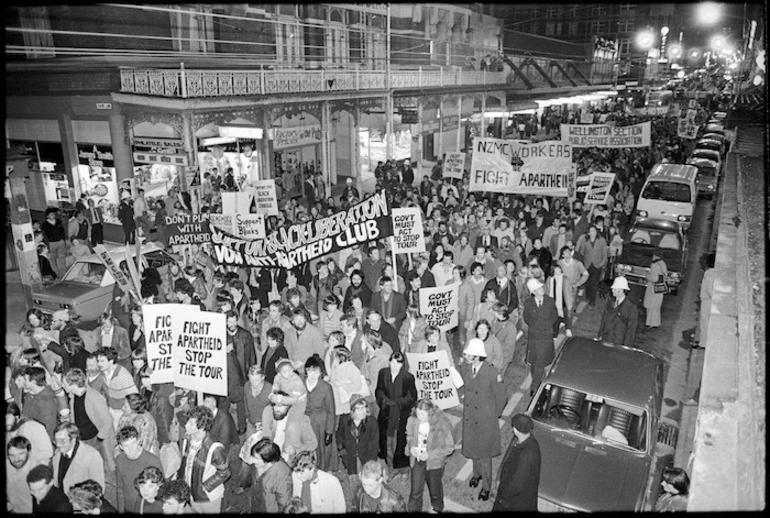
{"x": 159, "y": 337}
{"x": 366, "y": 221}
{"x": 408, "y": 236}
{"x": 453, "y": 166}
{"x": 599, "y": 188}
{"x": 439, "y": 306}
{"x": 187, "y": 229}
{"x": 433, "y": 378}
{"x": 605, "y": 135}
{"x": 515, "y": 167}
{"x": 199, "y": 351}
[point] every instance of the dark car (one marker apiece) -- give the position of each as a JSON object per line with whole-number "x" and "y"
{"x": 646, "y": 236}
{"x": 708, "y": 175}
{"x": 596, "y": 417}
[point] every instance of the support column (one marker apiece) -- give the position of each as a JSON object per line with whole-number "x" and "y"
{"x": 121, "y": 150}
{"x": 389, "y": 125}
{"x": 440, "y": 150}
{"x": 70, "y": 149}
{"x": 188, "y": 136}
{"x": 267, "y": 155}
{"x": 459, "y": 120}
{"x": 356, "y": 147}
{"x": 420, "y": 142}
{"x": 325, "y": 130}
{"x": 483, "y": 115}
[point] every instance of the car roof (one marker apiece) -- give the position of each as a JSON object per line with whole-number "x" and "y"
{"x": 705, "y": 151}
{"x": 672, "y": 172}
{"x": 657, "y": 224}
{"x": 702, "y": 161}
{"x": 119, "y": 252}
{"x": 618, "y": 372}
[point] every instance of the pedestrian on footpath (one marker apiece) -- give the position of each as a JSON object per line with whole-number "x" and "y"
{"x": 620, "y": 317}
{"x": 653, "y": 300}
{"x": 519, "y": 472}
{"x": 706, "y": 291}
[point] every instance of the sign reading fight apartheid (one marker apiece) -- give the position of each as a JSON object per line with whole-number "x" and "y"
{"x": 408, "y": 233}
{"x": 687, "y": 128}
{"x": 159, "y": 337}
{"x": 433, "y": 378}
{"x": 236, "y": 202}
{"x": 439, "y": 305}
{"x": 453, "y": 166}
{"x": 199, "y": 352}
{"x": 522, "y": 168}
{"x": 187, "y": 229}
{"x": 605, "y": 135}
{"x": 599, "y": 188}
{"x": 302, "y": 242}
{"x": 265, "y": 198}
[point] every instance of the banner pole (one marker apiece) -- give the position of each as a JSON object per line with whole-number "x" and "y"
{"x": 395, "y": 266}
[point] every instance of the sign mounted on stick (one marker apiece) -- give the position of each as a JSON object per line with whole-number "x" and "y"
{"x": 187, "y": 229}
{"x": 453, "y": 166}
{"x": 159, "y": 337}
{"x": 236, "y": 202}
{"x": 408, "y": 231}
{"x": 433, "y": 378}
{"x": 199, "y": 355}
{"x": 439, "y": 306}
{"x": 605, "y": 135}
{"x": 599, "y": 188}
{"x": 264, "y": 195}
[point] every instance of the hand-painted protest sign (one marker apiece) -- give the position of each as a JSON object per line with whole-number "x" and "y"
{"x": 121, "y": 278}
{"x": 187, "y": 229}
{"x": 693, "y": 104}
{"x": 224, "y": 222}
{"x": 199, "y": 354}
{"x": 599, "y": 188}
{"x": 439, "y": 305}
{"x": 159, "y": 337}
{"x": 686, "y": 128}
{"x": 586, "y": 117}
{"x": 454, "y": 163}
{"x": 605, "y": 135}
{"x": 264, "y": 194}
{"x": 236, "y": 202}
{"x": 652, "y": 110}
{"x": 250, "y": 226}
{"x": 366, "y": 221}
{"x": 433, "y": 378}
{"x": 514, "y": 167}
{"x": 408, "y": 230}
{"x": 572, "y": 183}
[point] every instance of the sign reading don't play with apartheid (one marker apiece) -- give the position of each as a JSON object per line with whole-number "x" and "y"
{"x": 605, "y": 135}
{"x": 439, "y": 305}
{"x": 199, "y": 353}
{"x": 433, "y": 378}
{"x": 159, "y": 337}
{"x": 453, "y": 166}
{"x": 408, "y": 236}
{"x": 187, "y": 229}
{"x": 599, "y": 188}
{"x": 509, "y": 166}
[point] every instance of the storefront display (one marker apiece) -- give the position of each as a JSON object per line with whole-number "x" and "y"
{"x": 158, "y": 164}
{"x": 222, "y": 153}
{"x": 97, "y": 179}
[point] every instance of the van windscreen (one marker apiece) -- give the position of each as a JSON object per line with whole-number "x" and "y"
{"x": 667, "y": 191}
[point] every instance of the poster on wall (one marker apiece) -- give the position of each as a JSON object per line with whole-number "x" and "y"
{"x": 514, "y": 167}
{"x": 300, "y": 243}
{"x": 299, "y": 136}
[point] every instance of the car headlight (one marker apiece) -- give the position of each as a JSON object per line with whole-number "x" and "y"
{"x": 683, "y": 218}
{"x": 37, "y": 302}
{"x": 642, "y": 213}
{"x": 64, "y": 306}
{"x": 622, "y": 269}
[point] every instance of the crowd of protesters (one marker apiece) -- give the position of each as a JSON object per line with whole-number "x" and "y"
{"x": 318, "y": 378}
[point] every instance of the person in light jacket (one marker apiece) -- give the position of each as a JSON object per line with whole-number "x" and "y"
{"x": 321, "y": 492}
{"x": 429, "y": 443}
{"x": 653, "y": 301}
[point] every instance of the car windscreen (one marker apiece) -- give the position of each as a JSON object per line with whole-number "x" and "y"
{"x": 667, "y": 191}
{"x": 656, "y": 238}
{"x": 706, "y": 170}
{"x": 598, "y": 418}
{"x": 707, "y": 154}
{"x": 86, "y": 273}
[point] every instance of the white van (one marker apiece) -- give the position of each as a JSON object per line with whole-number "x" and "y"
{"x": 670, "y": 193}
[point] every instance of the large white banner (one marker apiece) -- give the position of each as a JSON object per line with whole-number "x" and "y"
{"x": 606, "y": 136}
{"x": 408, "y": 236}
{"x": 522, "y": 168}
{"x": 439, "y": 305}
{"x": 199, "y": 355}
{"x": 159, "y": 337}
{"x": 453, "y": 166}
{"x": 433, "y": 378}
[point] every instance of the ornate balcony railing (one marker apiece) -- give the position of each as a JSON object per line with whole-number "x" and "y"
{"x": 227, "y": 83}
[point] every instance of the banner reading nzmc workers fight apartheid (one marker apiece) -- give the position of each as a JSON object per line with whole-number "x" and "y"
{"x": 509, "y": 166}
{"x": 606, "y": 136}
{"x": 302, "y": 242}
{"x": 433, "y": 378}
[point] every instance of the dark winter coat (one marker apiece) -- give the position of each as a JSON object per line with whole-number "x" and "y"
{"x": 365, "y": 446}
{"x": 519, "y": 477}
{"x": 619, "y": 324}
{"x": 392, "y": 419}
{"x": 483, "y": 403}
{"x": 540, "y": 351}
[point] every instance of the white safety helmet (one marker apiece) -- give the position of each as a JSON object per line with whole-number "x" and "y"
{"x": 620, "y": 283}
{"x": 475, "y": 347}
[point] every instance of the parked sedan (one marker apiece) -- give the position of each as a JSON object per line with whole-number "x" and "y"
{"x": 708, "y": 154}
{"x": 646, "y": 236}
{"x": 713, "y": 144}
{"x": 86, "y": 288}
{"x": 596, "y": 417}
{"x": 708, "y": 175}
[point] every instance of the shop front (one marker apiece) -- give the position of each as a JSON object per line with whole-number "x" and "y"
{"x": 235, "y": 146}
{"x": 97, "y": 179}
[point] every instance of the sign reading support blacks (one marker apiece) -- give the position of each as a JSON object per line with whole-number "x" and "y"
{"x": 606, "y": 136}
{"x": 407, "y": 230}
{"x": 199, "y": 356}
{"x": 366, "y": 221}
{"x": 433, "y": 378}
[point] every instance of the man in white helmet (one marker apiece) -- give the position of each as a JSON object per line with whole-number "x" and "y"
{"x": 483, "y": 402}
{"x": 620, "y": 316}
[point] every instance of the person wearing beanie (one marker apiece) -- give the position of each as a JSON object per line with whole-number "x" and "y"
{"x": 483, "y": 402}
{"x": 540, "y": 315}
{"x": 620, "y": 317}
{"x": 519, "y": 472}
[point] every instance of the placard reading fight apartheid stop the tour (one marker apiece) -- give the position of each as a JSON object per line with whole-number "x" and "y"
{"x": 199, "y": 353}
{"x": 159, "y": 337}
{"x": 433, "y": 378}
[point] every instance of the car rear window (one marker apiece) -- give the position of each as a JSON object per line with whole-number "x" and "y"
{"x": 600, "y": 418}
{"x": 667, "y": 191}
{"x": 655, "y": 238}
{"x": 86, "y": 273}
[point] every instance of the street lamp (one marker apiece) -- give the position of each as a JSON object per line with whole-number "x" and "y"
{"x": 645, "y": 40}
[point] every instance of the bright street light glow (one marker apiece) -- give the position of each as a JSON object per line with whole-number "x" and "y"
{"x": 718, "y": 41}
{"x": 708, "y": 13}
{"x": 695, "y": 54}
{"x": 645, "y": 40}
{"x": 675, "y": 50}
{"x": 664, "y": 30}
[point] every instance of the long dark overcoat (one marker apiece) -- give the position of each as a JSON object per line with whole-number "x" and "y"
{"x": 540, "y": 320}
{"x": 483, "y": 403}
{"x": 403, "y": 392}
{"x": 519, "y": 477}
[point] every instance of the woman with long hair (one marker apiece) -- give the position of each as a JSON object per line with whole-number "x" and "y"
{"x": 358, "y": 436}
{"x": 330, "y": 315}
{"x": 491, "y": 345}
